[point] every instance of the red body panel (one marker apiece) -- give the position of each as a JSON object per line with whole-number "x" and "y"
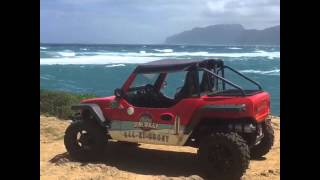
{"x": 257, "y": 108}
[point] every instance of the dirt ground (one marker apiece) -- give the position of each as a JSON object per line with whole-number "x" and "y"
{"x": 146, "y": 162}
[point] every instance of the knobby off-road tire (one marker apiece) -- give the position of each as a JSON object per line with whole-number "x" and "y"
{"x": 224, "y": 156}
{"x": 266, "y": 143}
{"x": 85, "y": 141}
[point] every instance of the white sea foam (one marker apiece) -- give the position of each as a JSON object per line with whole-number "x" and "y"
{"x": 115, "y": 65}
{"x": 83, "y": 49}
{"x": 270, "y": 72}
{"x": 143, "y": 57}
{"x": 99, "y": 59}
{"x": 67, "y": 53}
{"x": 271, "y": 55}
{"x": 234, "y": 48}
{"x": 164, "y": 50}
{"x": 47, "y": 77}
{"x": 43, "y": 77}
{"x": 165, "y": 54}
{"x": 43, "y": 48}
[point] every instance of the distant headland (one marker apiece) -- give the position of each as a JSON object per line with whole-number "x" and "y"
{"x": 227, "y": 34}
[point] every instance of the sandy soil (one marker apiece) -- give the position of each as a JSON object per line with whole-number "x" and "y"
{"x": 154, "y": 162}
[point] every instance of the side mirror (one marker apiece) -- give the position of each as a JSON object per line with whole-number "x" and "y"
{"x": 118, "y": 93}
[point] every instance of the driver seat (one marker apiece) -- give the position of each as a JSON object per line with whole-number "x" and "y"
{"x": 188, "y": 88}
{"x": 207, "y": 83}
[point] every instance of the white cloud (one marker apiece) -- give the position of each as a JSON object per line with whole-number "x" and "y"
{"x": 80, "y": 2}
{"x": 217, "y": 6}
{"x": 150, "y": 21}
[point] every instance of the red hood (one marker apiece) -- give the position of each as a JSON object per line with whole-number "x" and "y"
{"x": 102, "y": 102}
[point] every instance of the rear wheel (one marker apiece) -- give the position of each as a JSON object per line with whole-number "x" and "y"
{"x": 84, "y": 141}
{"x": 266, "y": 143}
{"x": 224, "y": 155}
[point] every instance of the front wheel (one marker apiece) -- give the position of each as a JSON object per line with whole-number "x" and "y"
{"x": 84, "y": 141}
{"x": 224, "y": 155}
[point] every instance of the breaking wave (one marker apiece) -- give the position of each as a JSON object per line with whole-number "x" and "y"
{"x": 96, "y": 60}
{"x": 67, "y": 53}
{"x": 234, "y": 48}
{"x": 115, "y": 65}
{"x": 164, "y": 50}
{"x": 270, "y": 72}
{"x": 70, "y": 57}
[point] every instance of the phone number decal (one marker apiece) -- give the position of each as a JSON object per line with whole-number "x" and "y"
{"x": 146, "y": 135}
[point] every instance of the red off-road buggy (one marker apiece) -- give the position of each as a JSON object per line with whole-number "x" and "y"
{"x": 183, "y": 103}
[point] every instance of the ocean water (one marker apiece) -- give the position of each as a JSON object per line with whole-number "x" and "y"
{"x": 99, "y": 69}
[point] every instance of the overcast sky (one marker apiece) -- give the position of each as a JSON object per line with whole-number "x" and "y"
{"x": 146, "y": 21}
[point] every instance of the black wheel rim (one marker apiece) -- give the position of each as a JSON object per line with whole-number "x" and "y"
{"x": 84, "y": 140}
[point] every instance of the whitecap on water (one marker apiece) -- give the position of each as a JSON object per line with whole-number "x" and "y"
{"x": 115, "y": 65}
{"x": 98, "y": 59}
{"x": 47, "y": 77}
{"x": 67, "y": 53}
{"x": 234, "y": 48}
{"x": 270, "y": 72}
{"x": 143, "y": 57}
{"x": 43, "y": 77}
{"x": 164, "y": 50}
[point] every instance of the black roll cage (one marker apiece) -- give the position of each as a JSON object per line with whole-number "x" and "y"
{"x": 211, "y": 66}
{"x": 225, "y": 81}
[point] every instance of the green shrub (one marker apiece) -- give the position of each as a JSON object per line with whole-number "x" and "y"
{"x": 58, "y": 103}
